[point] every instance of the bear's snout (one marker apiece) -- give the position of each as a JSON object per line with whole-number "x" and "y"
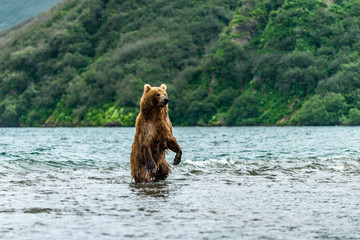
{"x": 165, "y": 101}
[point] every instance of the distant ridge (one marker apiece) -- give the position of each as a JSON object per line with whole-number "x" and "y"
{"x": 15, "y": 11}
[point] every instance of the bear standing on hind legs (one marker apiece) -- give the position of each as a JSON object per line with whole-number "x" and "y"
{"x": 153, "y": 137}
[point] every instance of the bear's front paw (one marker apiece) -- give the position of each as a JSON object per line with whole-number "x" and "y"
{"x": 151, "y": 167}
{"x": 177, "y": 159}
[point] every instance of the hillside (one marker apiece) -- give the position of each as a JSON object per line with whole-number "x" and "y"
{"x": 16, "y": 11}
{"x": 303, "y": 63}
{"x": 270, "y": 62}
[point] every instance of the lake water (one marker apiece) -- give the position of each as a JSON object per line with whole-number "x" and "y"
{"x": 232, "y": 183}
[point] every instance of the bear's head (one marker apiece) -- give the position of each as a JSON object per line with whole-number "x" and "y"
{"x": 154, "y": 97}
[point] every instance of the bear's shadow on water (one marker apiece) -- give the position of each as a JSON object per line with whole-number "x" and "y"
{"x": 156, "y": 189}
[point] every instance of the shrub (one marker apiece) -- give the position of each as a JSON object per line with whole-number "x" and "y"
{"x": 321, "y": 110}
{"x": 200, "y": 113}
{"x": 354, "y": 117}
{"x": 244, "y": 111}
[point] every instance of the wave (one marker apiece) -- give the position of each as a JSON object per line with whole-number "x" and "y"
{"x": 28, "y": 164}
{"x": 338, "y": 164}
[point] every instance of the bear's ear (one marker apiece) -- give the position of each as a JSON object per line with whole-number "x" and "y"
{"x": 147, "y": 88}
{"x": 163, "y": 86}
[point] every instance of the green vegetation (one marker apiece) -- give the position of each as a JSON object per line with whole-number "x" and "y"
{"x": 269, "y": 62}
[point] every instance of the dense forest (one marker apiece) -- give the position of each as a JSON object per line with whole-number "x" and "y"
{"x": 225, "y": 62}
{"x": 16, "y": 11}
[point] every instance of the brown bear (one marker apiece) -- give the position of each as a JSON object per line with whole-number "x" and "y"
{"x": 153, "y": 137}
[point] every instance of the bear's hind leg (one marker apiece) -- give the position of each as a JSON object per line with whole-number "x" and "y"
{"x": 163, "y": 171}
{"x": 142, "y": 176}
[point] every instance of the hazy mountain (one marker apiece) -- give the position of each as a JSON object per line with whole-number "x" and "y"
{"x": 16, "y": 11}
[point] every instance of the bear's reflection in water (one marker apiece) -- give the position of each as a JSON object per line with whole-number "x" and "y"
{"x": 155, "y": 189}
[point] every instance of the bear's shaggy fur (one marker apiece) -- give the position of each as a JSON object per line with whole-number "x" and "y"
{"x": 153, "y": 137}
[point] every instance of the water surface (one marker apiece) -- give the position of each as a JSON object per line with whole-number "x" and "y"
{"x": 233, "y": 183}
